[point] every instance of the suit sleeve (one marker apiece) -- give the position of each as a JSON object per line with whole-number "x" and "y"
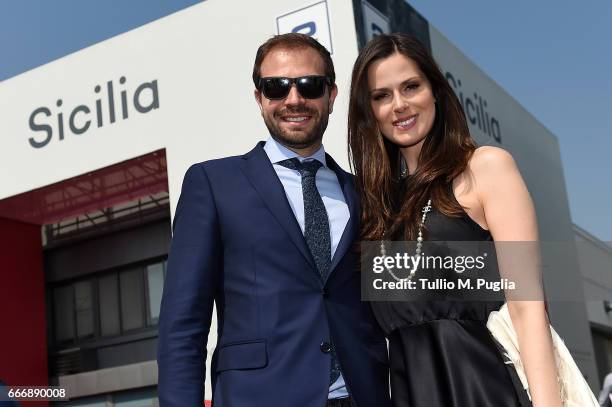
{"x": 193, "y": 268}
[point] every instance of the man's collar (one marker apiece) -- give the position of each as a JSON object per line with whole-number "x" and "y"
{"x": 277, "y": 152}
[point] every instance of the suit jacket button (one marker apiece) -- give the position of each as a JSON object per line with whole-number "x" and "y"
{"x": 325, "y": 347}
{"x": 324, "y": 292}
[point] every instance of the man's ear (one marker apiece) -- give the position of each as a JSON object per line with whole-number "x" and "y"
{"x": 258, "y": 96}
{"x": 333, "y": 92}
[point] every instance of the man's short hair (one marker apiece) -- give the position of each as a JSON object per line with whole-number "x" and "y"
{"x": 292, "y": 41}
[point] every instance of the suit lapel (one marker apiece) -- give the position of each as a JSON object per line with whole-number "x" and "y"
{"x": 259, "y": 170}
{"x": 350, "y": 231}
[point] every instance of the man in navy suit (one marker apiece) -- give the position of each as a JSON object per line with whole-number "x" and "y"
{"x": 268, "y": 236}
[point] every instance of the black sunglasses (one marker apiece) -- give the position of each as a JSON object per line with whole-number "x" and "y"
{"x": 310, "y": 87}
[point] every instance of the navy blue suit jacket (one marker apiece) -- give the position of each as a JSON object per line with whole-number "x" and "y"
{"x": 236, "y": 242}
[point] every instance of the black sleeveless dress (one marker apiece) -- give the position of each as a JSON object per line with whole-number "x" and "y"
{"x": 441, "y": 352}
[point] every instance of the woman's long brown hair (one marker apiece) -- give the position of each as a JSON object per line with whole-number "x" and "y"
{"x": 389, "y": 206}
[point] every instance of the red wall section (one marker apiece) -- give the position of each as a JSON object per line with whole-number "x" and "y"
{"x": 23, "y": 331}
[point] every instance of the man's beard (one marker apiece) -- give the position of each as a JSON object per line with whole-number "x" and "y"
{"x": 298, "y": 140}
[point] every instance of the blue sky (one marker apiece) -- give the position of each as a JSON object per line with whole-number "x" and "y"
{"x": 554, "y": 57}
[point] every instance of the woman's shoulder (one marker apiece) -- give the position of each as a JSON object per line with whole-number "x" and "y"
{"x": 489, "y": 161}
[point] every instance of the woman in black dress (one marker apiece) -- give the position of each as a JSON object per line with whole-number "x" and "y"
{"x": 410, "y": 145}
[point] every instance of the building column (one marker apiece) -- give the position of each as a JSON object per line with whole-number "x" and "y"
{"x": 23, "y": 329}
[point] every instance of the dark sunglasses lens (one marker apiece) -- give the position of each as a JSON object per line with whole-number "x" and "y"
{"x": 311, "y": 87}
{"x": 276, "y": 88}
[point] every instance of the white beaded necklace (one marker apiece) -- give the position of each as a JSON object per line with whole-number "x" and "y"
{"x": 383, "y": 251}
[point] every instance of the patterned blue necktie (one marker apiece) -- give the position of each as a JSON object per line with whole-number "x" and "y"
{"x": 316, "y": 228}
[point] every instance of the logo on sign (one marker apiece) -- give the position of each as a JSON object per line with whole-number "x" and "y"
{"x": 105, "y": 109}
{"x": 374, "y": 21}
{"x": 475, "y": 108}
{"x": 311, "y": 20}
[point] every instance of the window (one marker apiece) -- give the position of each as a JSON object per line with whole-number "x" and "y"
{"x": 108, "y": 294}
{"x": 132, "y": 301}
{"x": 134, "y": 398}
{"x": 108, "y": 305}
{"x": 96, "y": 401}
{"x": 64, "y": 313}
{"x": 139, "y": 398}
{"x": 83, "y": 302}
{"x": 155, "y": 284}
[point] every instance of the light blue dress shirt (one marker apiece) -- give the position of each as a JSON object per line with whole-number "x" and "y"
{"x": 333, "y": 199}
